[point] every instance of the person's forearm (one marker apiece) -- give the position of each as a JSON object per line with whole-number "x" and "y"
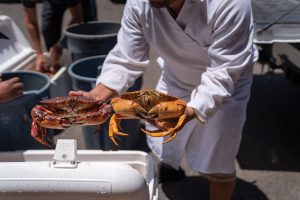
{"x": 76, "y": 13}
{"x": 33, "y": 29}
{"x": 35, "y": 38}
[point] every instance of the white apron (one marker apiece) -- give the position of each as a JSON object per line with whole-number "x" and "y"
{"x": 214, "y": 77}
{"x": 209, "y": 148}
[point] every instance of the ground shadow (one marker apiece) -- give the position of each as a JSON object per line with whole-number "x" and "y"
{"x": 196, "y": 188}
{"x": 271, "y": 133}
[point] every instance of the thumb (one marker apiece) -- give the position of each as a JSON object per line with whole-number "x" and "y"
{"x": 78, "y": 93}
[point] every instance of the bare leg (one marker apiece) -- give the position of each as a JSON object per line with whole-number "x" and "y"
{"x": 221, "y": 190}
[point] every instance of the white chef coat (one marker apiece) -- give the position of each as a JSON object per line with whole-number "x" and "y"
{"x": 208, "y": 55}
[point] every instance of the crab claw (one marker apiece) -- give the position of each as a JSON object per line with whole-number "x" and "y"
{"x": 167, "y": 110}
{"x": 170, "y": 131}
{"x": 40, "y": 135}
{"x": 113, "y": 129}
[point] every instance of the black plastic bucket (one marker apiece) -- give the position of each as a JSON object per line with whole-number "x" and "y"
{"x": 84, "y": 73}
{"x": 92, "y": 38}
{"x": 15, "y": 115}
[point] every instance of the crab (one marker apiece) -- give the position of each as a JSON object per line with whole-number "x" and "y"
{"x": 63, "y": 112}
{"x": 149, "y": 105}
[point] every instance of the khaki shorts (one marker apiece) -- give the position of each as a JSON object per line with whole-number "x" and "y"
{"x": 219, "y": 177}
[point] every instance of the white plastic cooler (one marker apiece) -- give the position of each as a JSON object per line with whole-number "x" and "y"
{"x": 91, "y": 174}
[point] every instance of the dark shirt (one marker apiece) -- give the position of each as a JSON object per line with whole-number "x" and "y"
{"x": 31, "y": 3}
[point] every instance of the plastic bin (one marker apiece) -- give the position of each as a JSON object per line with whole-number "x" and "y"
{"x": 92, "y": 38}
{"x": 15, "y": 117}
{"x": 84, "y": 73}
{"x": 15, "y": 48}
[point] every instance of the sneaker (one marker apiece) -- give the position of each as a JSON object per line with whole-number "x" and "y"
{"x": 168, "y": 173}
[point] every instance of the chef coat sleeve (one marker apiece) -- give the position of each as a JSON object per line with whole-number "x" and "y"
{"x": 130, "y": 57}
{"x": 230, "y": 52}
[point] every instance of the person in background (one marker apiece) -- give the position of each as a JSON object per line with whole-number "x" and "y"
{"x": 89, "y": 10}
{"x": 10, "y": 89}
{"x": 52, "y": 17}
{"x": 207, "y": 56}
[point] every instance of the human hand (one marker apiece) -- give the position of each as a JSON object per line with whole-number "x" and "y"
{"x": 190, "y": 114}
{"x": 10, "y": 89}
{"x": 55, "y": 53}
{"x": 100, "y": 92}
{"x": 54, "y": 68}
{"x": 80, "y": 93}
{"x": 41, "y": 63}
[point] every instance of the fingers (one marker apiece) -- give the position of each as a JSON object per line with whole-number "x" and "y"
{"x": 13, "y": 80}
{"x": 44, "y": 68}
{"x": 15, "y": 84}
{"x": 54, "y": 68}
{"x": 41, "y": 63}
{"x": 18, "y": 86}
{"x": 79, "y": 93}
{"x": 17, "y": 90}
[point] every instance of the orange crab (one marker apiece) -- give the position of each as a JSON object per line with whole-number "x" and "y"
{"x": 62, "y": 112}
{"x": 168, "y": 111}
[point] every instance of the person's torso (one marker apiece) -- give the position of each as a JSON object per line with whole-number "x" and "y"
{"x": 182, "y": 43}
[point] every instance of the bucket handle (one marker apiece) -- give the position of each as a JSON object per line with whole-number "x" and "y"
{"x": 31, "y": 92}
{"x": 58, "y": 74}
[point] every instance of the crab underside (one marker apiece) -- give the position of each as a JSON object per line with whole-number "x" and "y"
{"x": 149, "y": 105}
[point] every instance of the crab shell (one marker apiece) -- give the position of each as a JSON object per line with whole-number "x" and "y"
{"x": 71, "y": 104}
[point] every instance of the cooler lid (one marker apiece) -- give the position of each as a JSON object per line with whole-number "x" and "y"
{"x": 14, "y": 47}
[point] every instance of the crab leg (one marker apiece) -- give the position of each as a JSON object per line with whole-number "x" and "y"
{"x": 170, "y": 131}
{"x": 170, "y": 138}
{"x": 40, "y": 135}
{"x": 113, "y": 128}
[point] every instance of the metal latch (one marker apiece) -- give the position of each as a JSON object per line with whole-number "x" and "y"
{"x": 65, "y": 154}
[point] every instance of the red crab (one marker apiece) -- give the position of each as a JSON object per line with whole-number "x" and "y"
{"x": 63, "y": 112}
